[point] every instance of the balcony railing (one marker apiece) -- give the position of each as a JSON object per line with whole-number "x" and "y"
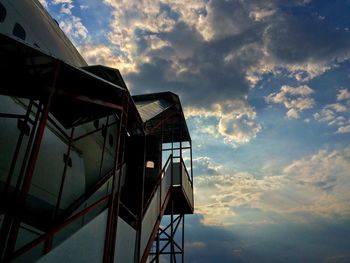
{"x": 181, "y": 178}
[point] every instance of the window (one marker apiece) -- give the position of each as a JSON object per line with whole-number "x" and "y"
{"x": 150, "y": 164}
{"x": 2, "y": 13}
{"x": 19, "y": 31}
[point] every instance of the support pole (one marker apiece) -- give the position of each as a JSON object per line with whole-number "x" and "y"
{"x": 183, "y": 239}
{"x": 113, "y": 207}
{"x": 64, "y": 175}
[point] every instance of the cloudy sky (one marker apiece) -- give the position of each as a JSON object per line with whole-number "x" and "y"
{"x": 265, "y": 86}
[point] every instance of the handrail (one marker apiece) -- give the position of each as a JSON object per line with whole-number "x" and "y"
{"x": 163, "y": 201}
{"x": 50, "y": 234}
{"x": 160, "y": 177}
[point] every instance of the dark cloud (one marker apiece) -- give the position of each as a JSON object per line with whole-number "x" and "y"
{"x": 301, "y": 39}
{"x": 207, "y": 76}
{"x": 320, "y": 240}
{"x": 204, "y": 72}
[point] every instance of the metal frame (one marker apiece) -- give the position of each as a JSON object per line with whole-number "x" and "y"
{"x": 14, "y": 215}
{"x": 166, "y": 244}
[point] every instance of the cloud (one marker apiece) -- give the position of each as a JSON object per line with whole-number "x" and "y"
{"x": 260, "y": 14}
{"x": 295, "y": 99}
{"x": 234, "y": 121}
{"x": 316, "y": 241}
{"x": 343, "y": 94}
{"x": 211, "y": 52}
{"x": 66, "y": 6}
{"x": 74, "y": 28}
{"x": 203, "y": 165}
{"x": 336, "y": 114}
{"x": 343, "y": 129}
{"x": 316, "y": 185}
{"x": 247, "y": 34}
{"x": 70, "y": 24}
{"x": 102, "y": 55}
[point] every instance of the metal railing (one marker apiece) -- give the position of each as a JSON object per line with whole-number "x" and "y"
{"x": 158, "y": 201}
{"x": 48, "y": 236}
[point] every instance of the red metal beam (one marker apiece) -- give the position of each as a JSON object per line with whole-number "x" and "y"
{"x": 156, "y": 226}
{"x": 58, "y": 228}
{"x": 113, "y": 208}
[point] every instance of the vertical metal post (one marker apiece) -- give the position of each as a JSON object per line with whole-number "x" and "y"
{"x": 139, "y": 255}
{"x": 172, "y": 232}
{"x": 113, "y": 212}
{"x": 28, "y": 148}
{"x": 183, "y": 239}
{"x": 117, "y": 203}
{"x": 158, "y": 247}
{"x": 104, "y": 146}
{"x": 191, "y": 162}
{"x": 58, "y": 203}
{"x": 111, "y": 201}
{"x": 16, "y": 153}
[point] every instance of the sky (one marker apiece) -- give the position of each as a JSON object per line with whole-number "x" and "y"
{"x": 265, "y": 87}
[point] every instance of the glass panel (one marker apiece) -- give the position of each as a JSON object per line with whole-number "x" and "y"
{"x": 186, "y": 184}
{"x": 149, "y": 219}
{"x": 126, "y": 243}
{"x": 86, "y": 245}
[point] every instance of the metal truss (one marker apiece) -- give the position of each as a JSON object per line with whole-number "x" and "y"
{"x": 169, "y": 242}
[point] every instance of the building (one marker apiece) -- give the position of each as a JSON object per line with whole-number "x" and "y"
{"x": 88, "y": 173}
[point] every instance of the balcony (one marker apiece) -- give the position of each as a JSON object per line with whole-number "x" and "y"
{"x": 182, "y": 187}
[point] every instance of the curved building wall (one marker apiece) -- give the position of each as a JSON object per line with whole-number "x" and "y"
{"x": 29, "y": 22}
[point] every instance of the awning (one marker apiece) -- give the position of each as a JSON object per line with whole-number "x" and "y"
{"x": 163, "y": 116}
{"x": 80, "y": 96}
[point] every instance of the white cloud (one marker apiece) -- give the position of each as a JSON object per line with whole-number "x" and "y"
{"x": 344, "y": 129}
{"x": 218, "y": 195}
{"x": 102, "y": 55}
{"x": 314, "y": 185}
{"x": 261, "y": 14}
{"x": 84, "y": 7}
{"x": 203, "y": 165}
{"x": 337, "y": 107}
{"x": 343, "y": 94}
{"x": 130, "y": 17}
{"x": 335, "y": 114}
{"x": 66, "y": 6}
{"x": 235, "y": 120}
{"x": 295, "y": 99}
{"x": 74, "y": 28}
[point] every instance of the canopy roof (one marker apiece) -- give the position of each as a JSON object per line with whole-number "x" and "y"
{"x": 84, "y": 94}
{"x": 80, "y": 95}
{"x": 163, "y": 116}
